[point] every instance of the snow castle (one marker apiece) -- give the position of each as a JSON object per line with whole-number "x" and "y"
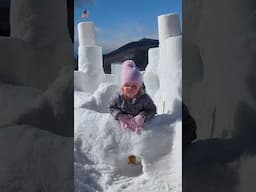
{"x": 98, "y": 137}
{"x": 162, "y": 76}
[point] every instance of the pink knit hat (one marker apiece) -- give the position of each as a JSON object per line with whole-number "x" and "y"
{"x": 130, "y": 73}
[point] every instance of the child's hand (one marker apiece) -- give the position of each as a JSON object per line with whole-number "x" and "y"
{"x": 136, "y": 123}
{"x": 132, "y": 124}
{"x": 124, "y": 120}
{"x": 139, "y": 121}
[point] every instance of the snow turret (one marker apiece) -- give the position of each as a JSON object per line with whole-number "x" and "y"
{"x": 163, "y": 73}
{"x": 90, "y": 61}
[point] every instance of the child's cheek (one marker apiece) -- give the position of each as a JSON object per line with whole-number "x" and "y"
{"x": 134, "y": 92}
{"x": 125, "y": 91}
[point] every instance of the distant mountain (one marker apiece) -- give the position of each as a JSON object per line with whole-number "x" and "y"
{"x": 137, "y": 51}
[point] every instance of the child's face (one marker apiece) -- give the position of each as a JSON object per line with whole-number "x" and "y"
{"x": 131, "y": 89}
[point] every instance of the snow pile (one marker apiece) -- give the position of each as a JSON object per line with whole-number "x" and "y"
{"x": 99, "y": 100}
{"x": 102, "y": 149}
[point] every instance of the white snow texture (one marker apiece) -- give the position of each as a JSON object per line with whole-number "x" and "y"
{"x": 102, "y": 149}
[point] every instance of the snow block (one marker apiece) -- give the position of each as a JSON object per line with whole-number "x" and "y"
{"x": 86, "y": 34}
{"x": 168, "y": 26}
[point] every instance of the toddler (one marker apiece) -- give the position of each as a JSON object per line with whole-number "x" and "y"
{"x": 132, "y": 106}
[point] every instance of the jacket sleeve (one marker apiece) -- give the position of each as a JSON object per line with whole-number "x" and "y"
{"x": 113, "y": 106}
{"x": 149, "y": 109}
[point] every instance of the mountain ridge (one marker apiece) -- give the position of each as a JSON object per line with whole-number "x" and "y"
{"x": 135, "y": 50}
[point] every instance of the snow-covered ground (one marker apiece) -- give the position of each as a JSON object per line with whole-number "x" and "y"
{"x": 102, "y": 148}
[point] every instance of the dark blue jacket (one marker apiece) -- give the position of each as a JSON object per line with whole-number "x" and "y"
{"x": 141, "y": 104}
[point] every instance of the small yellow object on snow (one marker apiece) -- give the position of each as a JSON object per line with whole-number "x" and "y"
{"x": 132, "y": 159}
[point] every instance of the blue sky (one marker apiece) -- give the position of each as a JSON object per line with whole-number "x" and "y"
{"x": 118, "y": 22}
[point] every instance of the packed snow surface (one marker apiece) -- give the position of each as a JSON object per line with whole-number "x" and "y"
{"x": 102, "y": 149}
